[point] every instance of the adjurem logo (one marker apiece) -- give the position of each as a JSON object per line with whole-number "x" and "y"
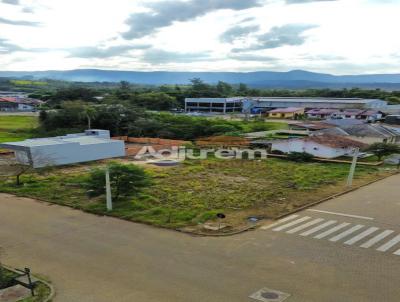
{"x": 182, "y": 153}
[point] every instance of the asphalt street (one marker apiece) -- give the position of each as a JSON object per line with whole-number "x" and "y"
{"x": 342, "y": 250}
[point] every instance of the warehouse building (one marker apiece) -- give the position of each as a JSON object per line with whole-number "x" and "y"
{"x": 314, "y": 103}
{"x": 263, "y": 104}
{"x": 71, "y": 148}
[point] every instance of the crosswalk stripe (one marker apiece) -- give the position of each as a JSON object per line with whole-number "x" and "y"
{"x": 291, "y": 217}
{"x": 332, "y": 230}
{"x": 288, "y": 225}
{"x": 346, "y": 233}
{"x": 318, "y": 228}
{"x": 361, "y": 236}
{"x": 376, "y": 239}
{"x": 397, "y": 253}
{"x": 389, "y": 244}
{"x": 304, "y": 226}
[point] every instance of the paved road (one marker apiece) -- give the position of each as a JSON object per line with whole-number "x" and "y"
{"x": 91, "y": 258}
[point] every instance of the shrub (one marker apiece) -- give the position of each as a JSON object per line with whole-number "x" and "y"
{"x": 300, "y": 156}
{"x": 125, "y": 180}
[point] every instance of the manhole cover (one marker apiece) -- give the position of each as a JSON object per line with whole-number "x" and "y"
{"x": 269, "y": 295}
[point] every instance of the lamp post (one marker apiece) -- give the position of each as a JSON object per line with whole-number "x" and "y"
{"x": 108, "y": 190}
{"x": 353, "y": 167}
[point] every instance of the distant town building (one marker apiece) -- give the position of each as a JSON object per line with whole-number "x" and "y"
{"x": 286, "y": 113}
{"x": 8, "y": 103}
{"x": 366, "y": 133}
{"x": 320, "y": 113}
{"x": 71, "y": 148}
{"x": 263, "y": 104}
{"x": 314, "y": 103}
{"x": 392, "y": 120}
{"x": 218, "y": 105}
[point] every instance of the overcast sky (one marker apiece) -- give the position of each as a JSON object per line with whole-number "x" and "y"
{"x": 333, "y": 36}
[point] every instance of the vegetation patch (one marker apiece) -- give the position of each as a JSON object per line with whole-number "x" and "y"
{"x": 195, "y": 191}
{"x": 16, "y": 128}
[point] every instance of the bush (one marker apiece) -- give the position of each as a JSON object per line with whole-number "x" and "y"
{"x": 125, "y": 180}
{"x": 6, "y": 278}
{"x": 300, "y": 156}
{"x": 383, "y": 149}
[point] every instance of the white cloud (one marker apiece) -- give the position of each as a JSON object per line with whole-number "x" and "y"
{"x": 342, "y": 36}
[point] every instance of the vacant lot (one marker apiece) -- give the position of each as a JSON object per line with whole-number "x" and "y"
{"x": 15, "y": 128}
{"x": 195, "y": 191}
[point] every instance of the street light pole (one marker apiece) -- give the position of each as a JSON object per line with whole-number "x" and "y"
{"x": 108, "y": 190}
{"x": 353, "y": 167}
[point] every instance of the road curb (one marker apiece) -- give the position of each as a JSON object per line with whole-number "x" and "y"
{"x": 236, "y": 232}
{"x": 49, "y": 285}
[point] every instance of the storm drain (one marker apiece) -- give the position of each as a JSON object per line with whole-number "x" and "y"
{"x": 269, "y": 295}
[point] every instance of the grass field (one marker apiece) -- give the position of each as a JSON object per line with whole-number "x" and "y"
{"x": 15, "y": 128}
{"x": 195, "y": 191}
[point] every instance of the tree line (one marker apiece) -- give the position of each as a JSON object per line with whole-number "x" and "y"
{"x": 125, "y": 119}
{"x": 167, "y": 97}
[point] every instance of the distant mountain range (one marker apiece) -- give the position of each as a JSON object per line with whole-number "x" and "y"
{"x": 296, "y": 79}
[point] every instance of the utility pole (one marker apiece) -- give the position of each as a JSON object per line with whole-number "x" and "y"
{"x": 108, "y": 190}
{"x": 353, "y": 167}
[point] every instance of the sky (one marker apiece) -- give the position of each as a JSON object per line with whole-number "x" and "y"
{"x": 330, "y": 36}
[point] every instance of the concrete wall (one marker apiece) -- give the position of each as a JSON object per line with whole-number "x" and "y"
{"x": 69, "y": 153}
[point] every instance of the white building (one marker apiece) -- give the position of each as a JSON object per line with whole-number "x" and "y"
{"x": 218, "y": 105}
{"x": 324, "y": 146}
{"x": 71, "y": 148}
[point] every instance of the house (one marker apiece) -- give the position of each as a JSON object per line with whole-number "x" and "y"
{"x": 286, "y": 113}
{"x": 392, "y": 119}
{"x": 370, "y": 115}
{"x": 311, "y": 126}
{"x": 347, "y": 114}
{"x": 6, "y": 105}
{"x": 320, "y": 113}
{"x": 71, "y": 148}
{"x": 365, "y": 133}
{"x": 343, "y": 122}
{"x": 17, "y": 104}
{"x": 372, "y": 133}
{"x": 324, "y": 146}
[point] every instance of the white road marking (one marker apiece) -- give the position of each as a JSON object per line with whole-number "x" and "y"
{"x": 288, "y": 225}
{"x": 361, "y": 236}
{"x": 332, "y": 230}
{"x": 397, "y": 253}
{"x": 346, "y": 233}
{"x": 341, "y": 214}
{"x": 304, "y": 226}
{"x": 291, "y": 217}
{"x": 318, "y": 228}
{"x": 389, "y": 244}
{"x": 376, "y": 239}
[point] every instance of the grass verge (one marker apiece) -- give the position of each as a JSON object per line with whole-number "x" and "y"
{"x": 16, "y": 128}
{"x": 192, "y": 193}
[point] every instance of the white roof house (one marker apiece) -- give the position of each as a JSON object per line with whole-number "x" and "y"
{"x": 324, "y": 146}
{"x": 71, "y": 148}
